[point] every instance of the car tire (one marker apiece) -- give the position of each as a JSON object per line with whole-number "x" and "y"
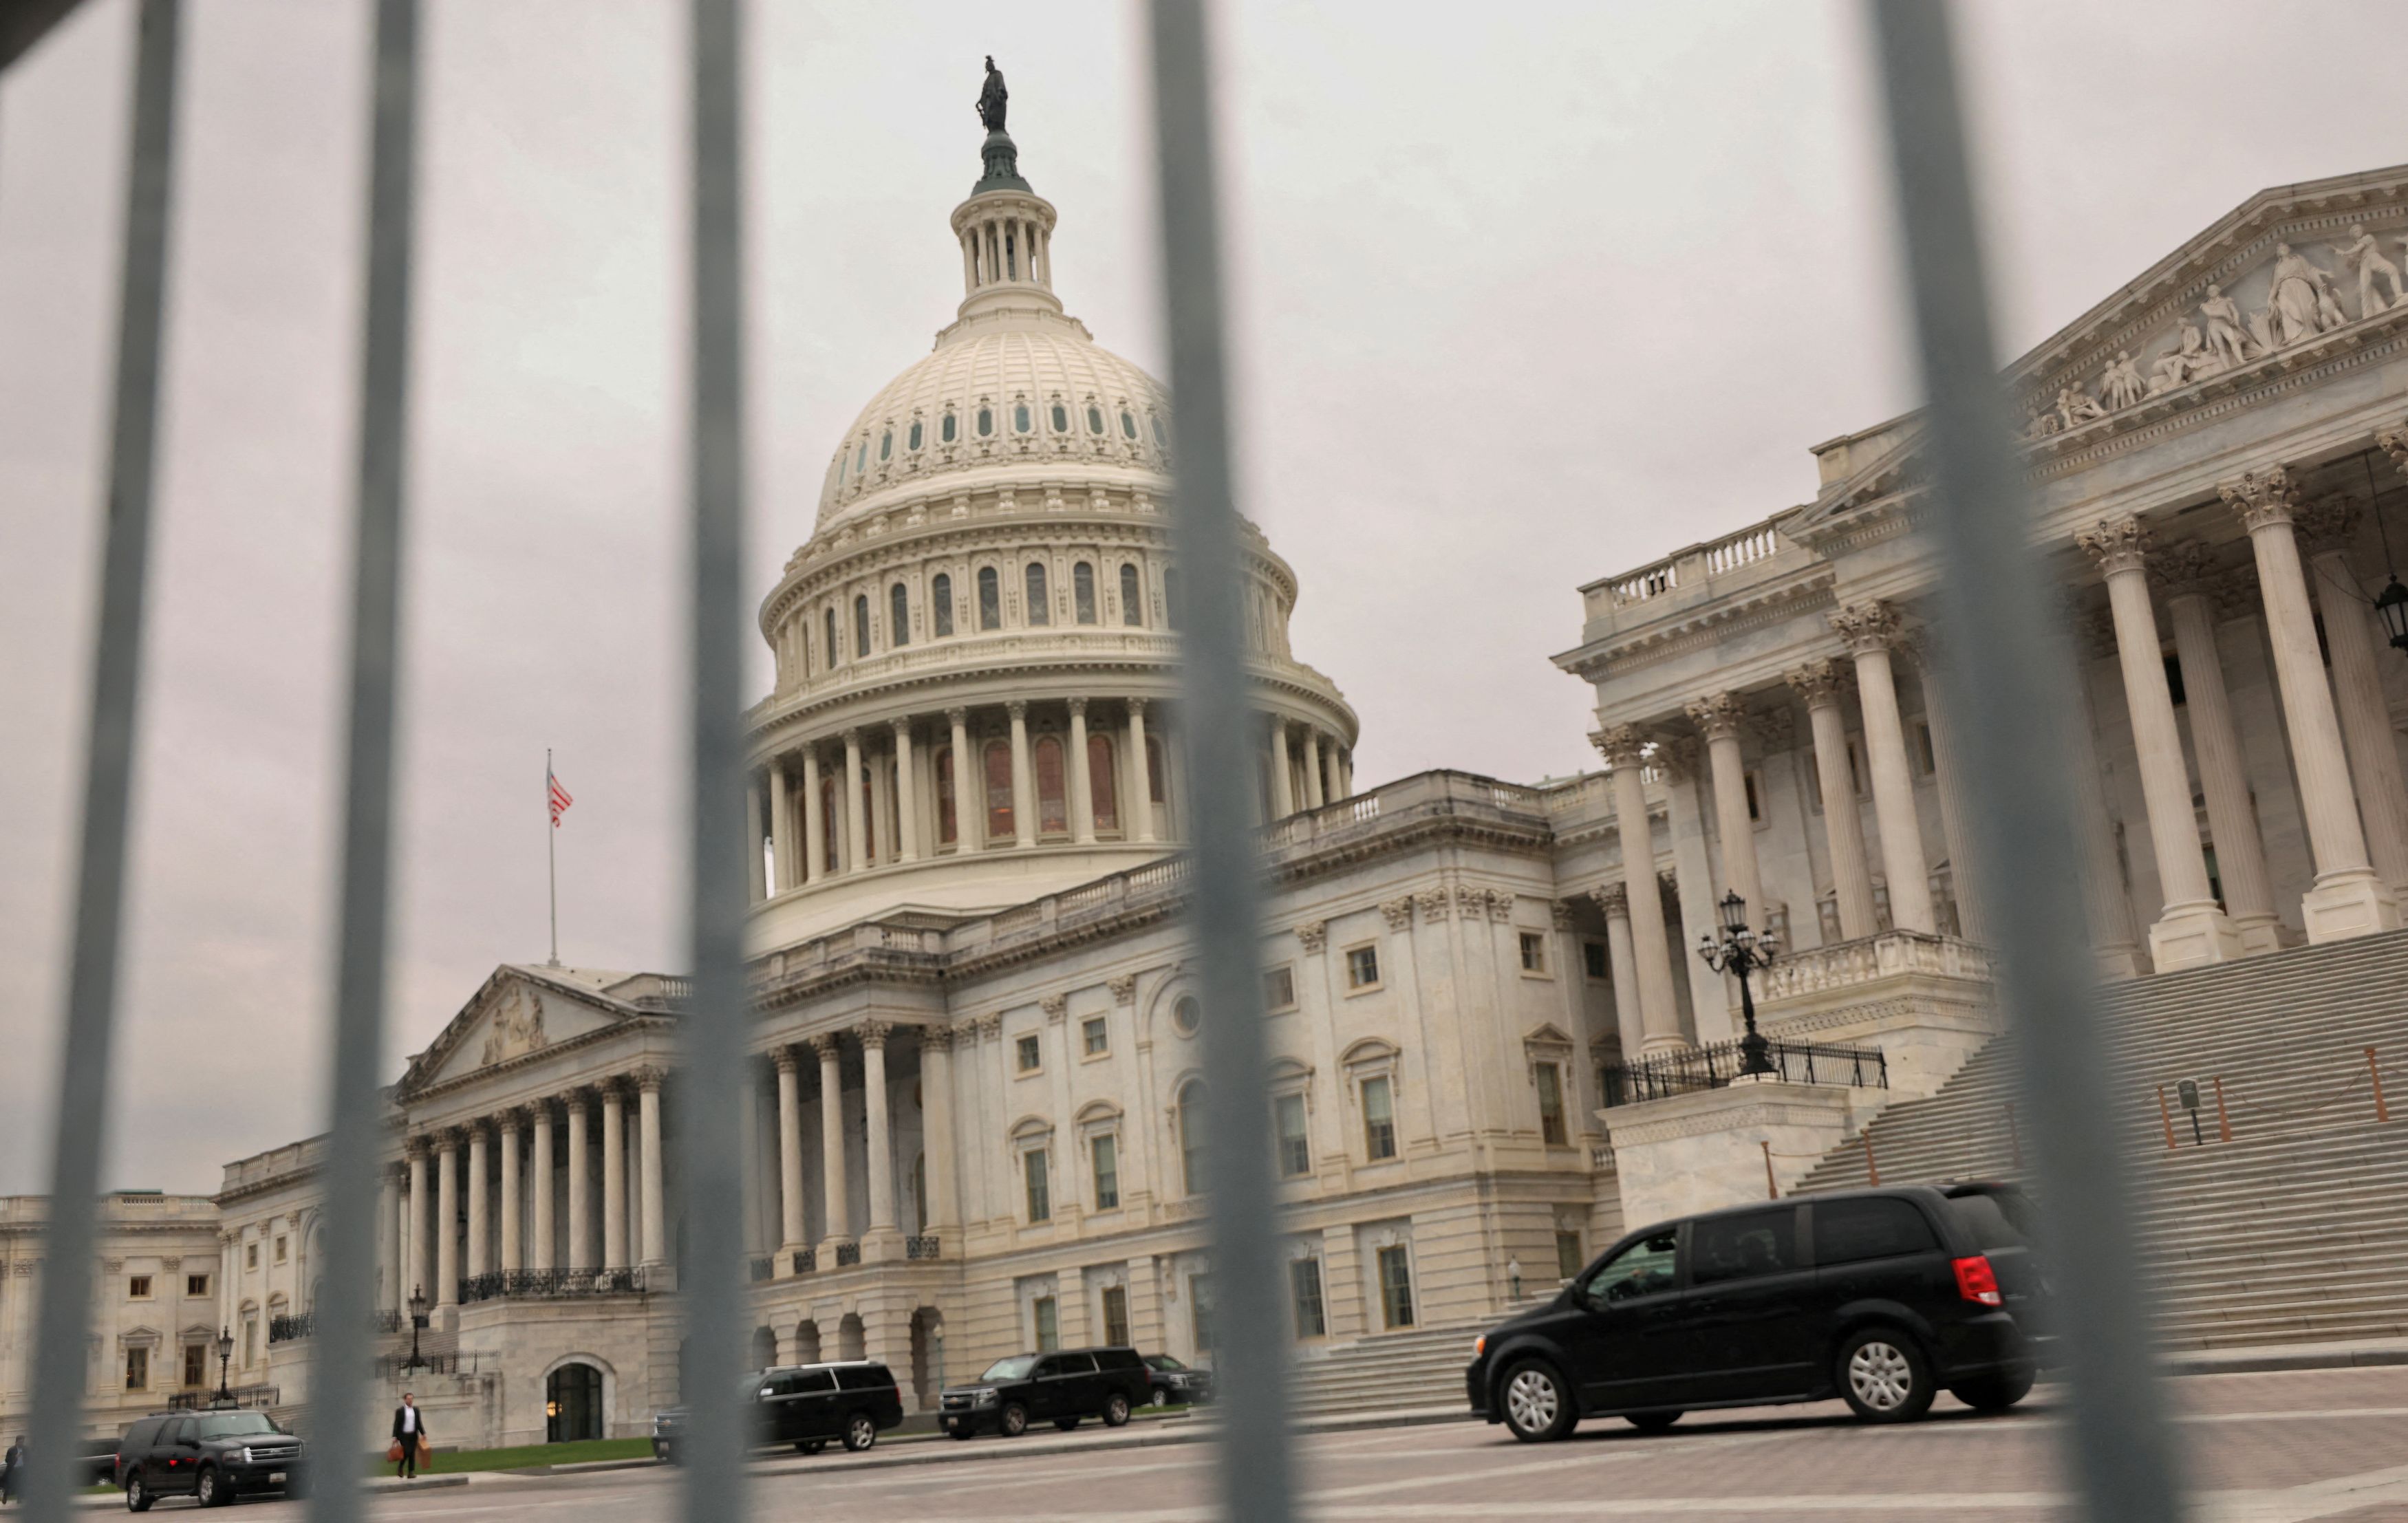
{"x": 1651, "y": 1422}
{"x": 860, "y": 1433}
{"x": 1116, "y": 1410}
{"x": 137, "y": 1496}
{"x": 1013, "y": 1421}
{"x": 1884, "y": 1376}
{"x": 1537, "y": 1402}
{"x": 1994, "y": 1393}
{"x": 809, "y": 1445}
{"x": 1161, "y": 1396}
{"x": 210, "y": 1489}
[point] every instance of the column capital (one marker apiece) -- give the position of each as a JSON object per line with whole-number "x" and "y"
{"x": 2394, "y": 443}
{"x": 2186, "y": 568}
{"x": 1313, "y": 934}
{"x": 850, "y": 735}
{"x": 1398, "y": 911}
{"x": 903, "y": 728}
{"x": 827, "y": 1044}
{"x": 1433, "y": 904}
{"x": 957, "y": 715}
{"x": 2117, "y": 545}
{"x": 1561, "y": 910}
{"x": 416, "y": 1149}
{"x": 1016, "y": 709}
{"x": 1123, "y": 989}
{"x": 2326, "y": 524}
{"x": 649, "y": 1078}
{"x": 936, "y": 1038}
{"x": 1868, "y": 626}
{"x": 1718, "y": 715}
{"x": 990, "y": 1027}
{"x": 1821, "y": 682}
{"x": 1056, "y": 1006}
{"x": 785, "y": 1058}
{"x": 1613, "y": 899}
{"x": 2262, "y": 498}
{"x": 1078, "y": 709}
{"x": 1620, "y": 744}
{"x": 1136, "y": 705}
{"x": 873, "y": 1033}
{"x": 451, "y": 1139}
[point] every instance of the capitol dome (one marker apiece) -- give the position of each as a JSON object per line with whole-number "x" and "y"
{"x": 976, "y": 650}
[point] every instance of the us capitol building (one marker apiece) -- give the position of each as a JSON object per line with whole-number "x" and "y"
{"x": 974, "y": 1122}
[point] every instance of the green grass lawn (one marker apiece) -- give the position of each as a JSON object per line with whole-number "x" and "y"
{"x": 456, "y": 1462}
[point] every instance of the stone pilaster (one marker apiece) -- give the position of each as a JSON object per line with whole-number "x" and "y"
{"x": 1870, "y": 631}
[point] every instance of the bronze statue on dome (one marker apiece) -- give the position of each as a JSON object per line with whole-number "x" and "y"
{"x": 994, "y": 98}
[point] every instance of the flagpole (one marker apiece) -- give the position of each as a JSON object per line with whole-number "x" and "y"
{"x": 552, "y": 854}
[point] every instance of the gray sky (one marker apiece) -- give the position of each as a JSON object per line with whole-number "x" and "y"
{"x": 1526, "y": 294}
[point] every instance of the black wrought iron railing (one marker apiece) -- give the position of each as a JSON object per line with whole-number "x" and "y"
{"x": 926, "y": 1245}
{"x": 847, "y": 1253}
{"x": 1716, "y": 1064}
{"x": 389, "y": 1321}
{"x": 551, "y": 1284}
{"x": 389, "y": 1366}
{"x": 806, "y": 1260}
{"x": 241, "y": 1396}
{"x": 764, "y": 1267}
{"x": 287, "y": 1329}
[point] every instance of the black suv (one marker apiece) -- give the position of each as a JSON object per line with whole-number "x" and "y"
{"x": 1174, "y": 1383}
{"x": 212, "y": 1456}
{"x": 806, "y": 1406}
{"x": 1879, "y": 1297}
{"x": 1064, "y": 1388}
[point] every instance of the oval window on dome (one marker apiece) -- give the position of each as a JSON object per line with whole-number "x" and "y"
{"x": 947, "y": 428}
{"x": 861, "y": 460}
{"x": 1161, "y": 435}
{"x": 1021, "y": 421}
{"x": 841, "y": 461}
{"x": 886, "y": 446}
{"x": 1061, "y": 419}
{"x": 913, "y": 442}
{"x": 986, "y": 422}
{"x": 1095, "y": 418}
{"x": 1129, "y": 424}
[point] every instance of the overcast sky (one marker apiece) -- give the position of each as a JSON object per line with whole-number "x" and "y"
{"x": 1524, "y": 295}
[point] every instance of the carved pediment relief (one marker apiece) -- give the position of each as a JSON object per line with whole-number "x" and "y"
{"x": 515, "y": 1025}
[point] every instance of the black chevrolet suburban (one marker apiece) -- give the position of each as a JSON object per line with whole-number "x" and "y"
{"x": 806, "y": 1406}
{"x": 213, "y": 1457}
{"x": 1061, "y": 1388}
{"x": 1879, "y": 1297}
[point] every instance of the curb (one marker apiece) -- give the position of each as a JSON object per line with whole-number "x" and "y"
{"x": 372, "y": 1486}
{"x": 2343, "y": 1358}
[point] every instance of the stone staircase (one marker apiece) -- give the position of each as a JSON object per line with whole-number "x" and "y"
{"x": 2289, "y": 1232}
{"x": 1389, "y": 1371}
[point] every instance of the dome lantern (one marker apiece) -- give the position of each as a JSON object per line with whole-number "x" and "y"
{"x": 1005, "y": 229}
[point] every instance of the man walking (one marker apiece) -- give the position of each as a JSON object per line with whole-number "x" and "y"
{"x": 409, "y": 1432}
{"x": 12, "y": 1466}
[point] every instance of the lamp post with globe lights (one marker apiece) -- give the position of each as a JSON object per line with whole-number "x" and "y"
{"x": 417, "y": 1320}
{"x": 226, "y": 1357}
{"x": 1740, "y": 952}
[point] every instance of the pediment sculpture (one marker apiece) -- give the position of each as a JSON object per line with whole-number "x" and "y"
{"x": 515, "y": 1027}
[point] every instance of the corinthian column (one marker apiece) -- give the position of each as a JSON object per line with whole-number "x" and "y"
{"x": 815, "y": 823}
{"x": 581, "y": 1252}
{"x": 856, "y": 826}
{"x": 1820, "y": 683}
{"x": 1947, "y": 765}
{"x": 873, "y": 1036}
{"x": 1282, "y": 785}
{"x": 1870, "y": 630}
{"x": 790, "y": 1151}
{"x": 1622, "y": 967}
{"x": 653, "y": 1231}
{"x": 969, "y": 786}
{"x": 1139, "y": 796}
{"x": 2347, "y": 900}
{"x": 782, "y": 830}
{"x": 937, "y": 1115}
{"x": 614, "y": 1175}
{"x": 906, "y": 797}
{"x": 1082, "y": 785}
{"x": 447, "y": 1215}
{"x": 540, "y": 1256}
{"x": 1659, "y": 1016}
{"x": 839, "y": 1226}
{"x": 1717, "y": 717}
{"x": 513, "y": 1259}
{"x": 2365, "y": 714}
{"x": 481, "y": 1221}
{"x": 2194, "y": 587}
{"x": 1024, "y": 790}
{"x": 2193, "y": 929}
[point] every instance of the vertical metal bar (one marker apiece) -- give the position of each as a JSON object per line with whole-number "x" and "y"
{"x": 2006, "y": 668}
{"x": 711, "y": 1081}
{"x": 354, "y": 1127}
{"x": 1250, "y": 1336}
{"x": 68, "y": 1243}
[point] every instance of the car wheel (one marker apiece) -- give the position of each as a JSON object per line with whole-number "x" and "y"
{"x": 809, "y": 1445}
{"x": 1116, "y": 1410}
{"x": 1538, "y": 1404}
{"x": 1651, "y": 1422}
{"x": 211, "y": 1491}
{"x": 1884, "y": 1376}
{"x": 1161, "y": 1396}
{"x": 860, "y": 1432}
{"x": 1014, "y": 1420}
{"x": 1066, "y": 1424}
{"x": 137, "y": 1496}
{"x": 1994, "y": 1393}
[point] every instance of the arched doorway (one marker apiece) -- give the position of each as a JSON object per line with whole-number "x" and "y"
{"x": 765, "y": 1349}
{"x": 572, "y": 1404}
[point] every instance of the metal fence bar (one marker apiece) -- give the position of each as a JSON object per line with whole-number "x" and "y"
{"x": 61, "y": 1350}
{"x": 711, "y": 1081}
{"x": 1251, "y": 1352}
{"x": 1999, "y": 648}
{"x": 354, "y": 1127}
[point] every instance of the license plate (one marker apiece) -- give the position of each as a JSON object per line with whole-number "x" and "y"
{"x": 276, "y": 1477}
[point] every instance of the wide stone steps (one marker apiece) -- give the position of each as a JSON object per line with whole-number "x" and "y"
{"x": 2290, "y": 1232}
{"x": 1390, "y": 1371}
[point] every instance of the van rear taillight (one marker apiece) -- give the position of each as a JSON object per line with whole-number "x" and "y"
{"x": 1977, "y": 1282}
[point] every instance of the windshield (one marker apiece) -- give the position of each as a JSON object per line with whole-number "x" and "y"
{"x": 1014, "y": 1368}
{"x": 233, "y": 1425}
{"x": 1164, "y": 1361}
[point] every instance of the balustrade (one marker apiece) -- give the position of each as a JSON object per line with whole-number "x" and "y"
{"x": 1716, "y": 1064}
{"x": 926, "y": 1245}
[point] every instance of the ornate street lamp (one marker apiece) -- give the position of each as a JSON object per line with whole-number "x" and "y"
{"x": 2392, "y": 602}
{"x": 1740, "y": 952}
{"x": 417, "y": 1320}
{"x": 225, "y": 1356}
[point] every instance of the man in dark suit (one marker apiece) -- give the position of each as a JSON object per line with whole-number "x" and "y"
{"x": 11, "y": 1467}
{"x": 409, "y": 1432}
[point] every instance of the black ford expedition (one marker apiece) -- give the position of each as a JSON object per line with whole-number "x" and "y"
{"x": 1061, "y": 1387}
{"x": 213, "y": 1457}
{"x": 1880, "y": 1297}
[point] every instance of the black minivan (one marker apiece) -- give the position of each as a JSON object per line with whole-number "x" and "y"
{"x": 1061, "y": 1388}
{"x": 1879, "y": 1297}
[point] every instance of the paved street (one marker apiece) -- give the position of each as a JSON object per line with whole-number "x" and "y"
{"x": 2272, "y": 1447}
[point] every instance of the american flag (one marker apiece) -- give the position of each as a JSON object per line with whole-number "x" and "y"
{"x": 560, "y": 798}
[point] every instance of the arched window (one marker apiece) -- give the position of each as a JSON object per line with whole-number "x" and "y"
{"x": 861, "y": 624}
{"x": 1060, "y": 418}
{"x": 1129, "y": 424}
{"x": 940, "y": 604}
{"x": 949, "y": 428}
{"x": 572, "y": 1404}
{"x": 1161, "y": 435}
{"x": 831, "y": 636}
{"x": 1040, "y": 609}
{"x": 1101, "y": 789}
{"x": 1170, "y": 598}
{"x": 948, "y": 822}
{"x": 985, "y": 421}
{"x": 861, "y": 462}
{"x": 918, "y": 435}
{"x": 1053, "y": 795}
{"x": 1191, "y": 1130}
{"x": 828, "y": 818}
{"x": 1083, "y": 591}
{"x": 886, "y": 446}
{"x": 1153, "y": 785}
{"x": 1132, "y": 596}
{"x": 1095, "y": 418}
{"x": 998, "y": 761}
{"x": 898, "y": 611}
{"x": 990, "y": 598}
{"x": 1021, "y": 420}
